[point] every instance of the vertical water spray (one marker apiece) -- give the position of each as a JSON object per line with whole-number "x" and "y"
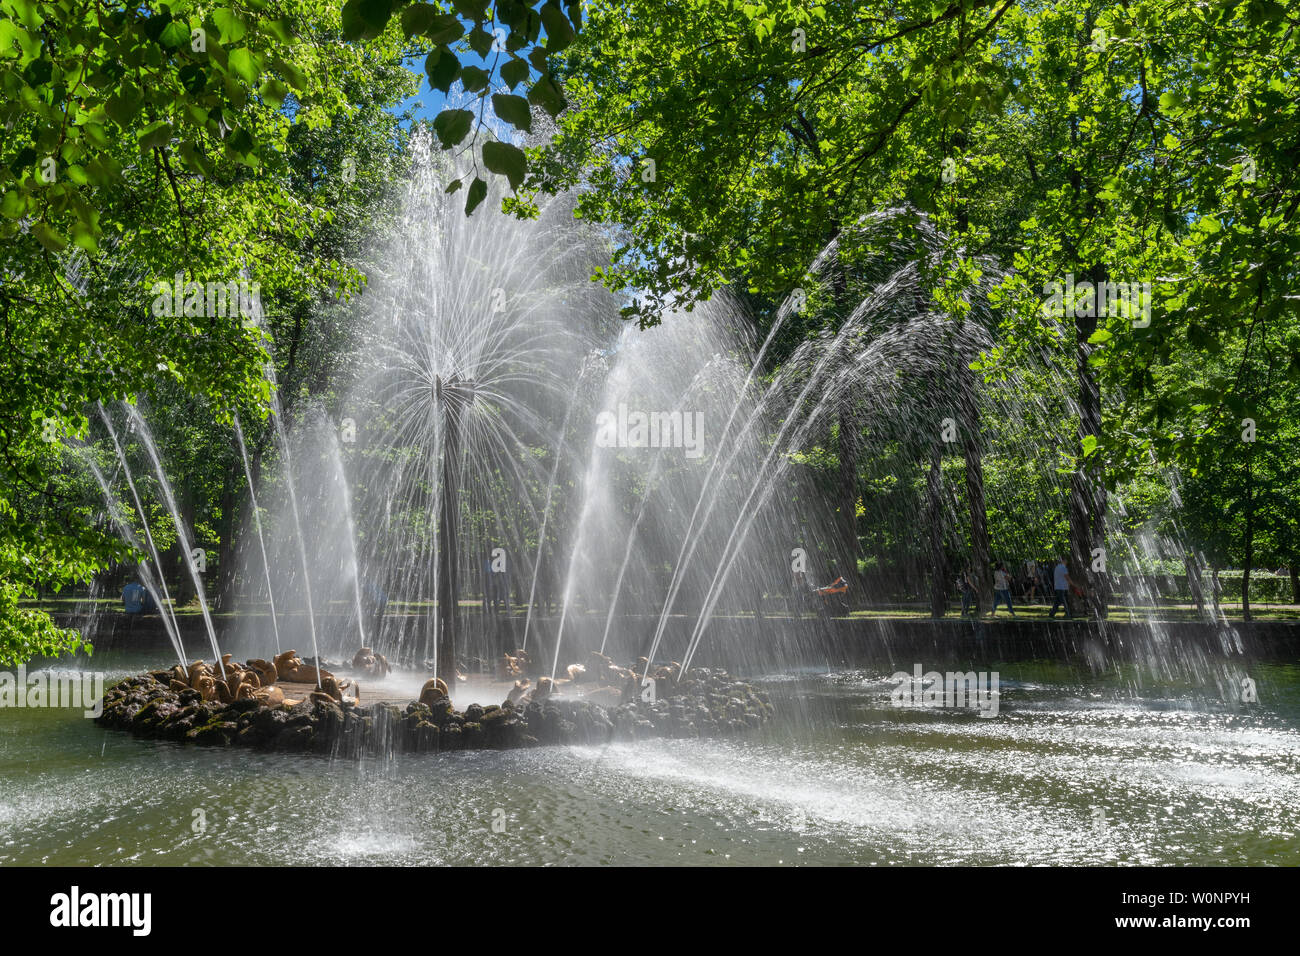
{"x": 146, "y": 578}
{"x": 181, "y": 535}
{"x": 345, "y": 499}
{"x": 546, "y": 509}
{"x": 480, "y": 328}
{"x": 165, "y": 609}
{"x": 261, "y": 538}
{"x": 297, "y": 517}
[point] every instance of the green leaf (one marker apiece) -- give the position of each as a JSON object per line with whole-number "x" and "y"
{"x": 546, "y": 94}
{"x": 239, "y": 140}
{"x": 245, "y": 64}
{"x": 281, "y": 30}
{"x": 365, "y": 19}
{"x": 49, "y": 237}
{"x": 442, "y": 68}
{"x": 103, "y": 170}
{"x": 155, "y": 134}
{"x": 296, "y": 77}
{"x": 121, "y": 107}
{"x": 353, "y": 23}
{"x": 376, "y": 14}
{"x": 86, "y": 236}
{"x": 230, "y": 26}
{"x": 505, "y": 160}
{"x": 477, "y": 193}
{"x": 193, "y": 78}
{"x": 274, "y": 92}
{"x": 418, "y": 17}
{"x": 174, "y": 34}
{"x": 514, "y": 72}
{"x": 473, "y": 9}
{"x": 13, "y": 205}
{"x": 480, "y": 41}
{"x": 194, "y": 159}
{"x": 446, "y": 29}
{"x": 95, "y": 135}
{"x": 559, "y": 33}
{"x": 24, "y": 159}
{"x": 473, "y": 79}
{"x": 452, "y": 126}
{"x": 514, "y": 110}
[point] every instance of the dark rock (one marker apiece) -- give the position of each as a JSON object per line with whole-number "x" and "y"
{"x": 216, "y": 732}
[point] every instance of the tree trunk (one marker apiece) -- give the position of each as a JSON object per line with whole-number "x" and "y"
{"x": 847, "y": 488}
{"x": 1087, "y": 486}
{"x": 184, "y": 592}
{"x": 934, "y": 515}
{"x": 232, "y": 521}
{"x": 1192, "y": 565}
{"x": 448, "y": 596}
{"x": 1295, "y": 582}
{"x": 1248, "y": 535}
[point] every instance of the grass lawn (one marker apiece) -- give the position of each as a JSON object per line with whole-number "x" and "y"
{"x": 1032, "y": 612}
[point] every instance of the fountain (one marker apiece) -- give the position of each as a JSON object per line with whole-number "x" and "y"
{"x": 651, "y": 497}
{"x": 502, "y": 414}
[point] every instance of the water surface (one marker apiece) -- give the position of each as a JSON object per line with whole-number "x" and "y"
{"x": 1073, "y": 770}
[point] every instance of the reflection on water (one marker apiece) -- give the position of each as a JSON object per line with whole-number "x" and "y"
{"x": 1071, "y": 771}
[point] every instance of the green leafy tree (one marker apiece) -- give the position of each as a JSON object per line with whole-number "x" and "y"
{"x": 144, "y": 143}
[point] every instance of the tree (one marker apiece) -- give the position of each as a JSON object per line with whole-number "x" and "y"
{"x": 143, "y": 144}
{"x": 732, "y": 140}
{"x": 486, "y": 46}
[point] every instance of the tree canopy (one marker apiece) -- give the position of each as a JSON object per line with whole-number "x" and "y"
{"x": 1148, "y": 149}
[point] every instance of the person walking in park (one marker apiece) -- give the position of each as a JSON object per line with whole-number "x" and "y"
{"x": 969, "y": 594}
{"x": 1061, "y": 584}
{"x": 1001, "y": 589}
{"x": 1032, "y": 581}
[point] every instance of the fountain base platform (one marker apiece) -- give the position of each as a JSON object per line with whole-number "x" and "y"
{"x": 706, "y": 703}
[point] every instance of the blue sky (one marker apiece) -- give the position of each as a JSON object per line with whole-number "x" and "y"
{"x": 431, "y": 100}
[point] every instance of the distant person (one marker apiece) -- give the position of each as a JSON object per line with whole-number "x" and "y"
{"x": 834, "y": 595}
{"x": 1002, "y": 589}
{"x": 1032, "y": 581}
{"x": 969, "y": 595}
{"x": 1061, "y": 584}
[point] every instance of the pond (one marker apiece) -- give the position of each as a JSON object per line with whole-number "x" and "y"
{"x": 1073, "y": 769}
